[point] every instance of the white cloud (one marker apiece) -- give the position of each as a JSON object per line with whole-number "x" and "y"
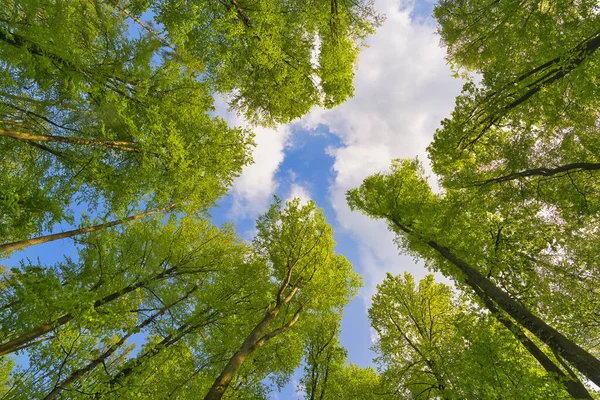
{"x": 252, "y": 191}
{"x": 403, "y": 90}
{"x": 297, "y": 190}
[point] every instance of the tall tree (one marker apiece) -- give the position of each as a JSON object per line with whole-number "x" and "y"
{"x": 463, "y": 240}
{"x": 116, "y": 272}
{"x": 273, "y": 60}
{"x": 432, "y": 343}
{"x": 210, "y": 308}
{"x": 526, "y": 131}
{"x": 327, "y": 375}
{"x": 306, "y": 276}
{"x": 90, "y": 114}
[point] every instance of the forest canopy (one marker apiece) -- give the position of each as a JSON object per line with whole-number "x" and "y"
{"x": 109, "y": 137}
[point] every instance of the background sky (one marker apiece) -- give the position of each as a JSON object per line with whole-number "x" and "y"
{"x": 403, "y": 90}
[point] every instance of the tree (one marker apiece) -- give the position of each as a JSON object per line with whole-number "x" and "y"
{"x": 8, "y": 247}
{"x": 432, "y": 343}
{"x": 451, "y": 232}
{"x": 77, "y": 316}
{"x": 411, "y": 324}
{"x": 91, "y": 115}
{"x": 306, "y": 275}
{"x": 327, "y": 375}
{"x": 201, "y": 299}
{"x": 527, "y": 130}
{"x": 273, "y": 60}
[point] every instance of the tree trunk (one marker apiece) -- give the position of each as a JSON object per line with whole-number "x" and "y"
{"x": 587, "y": 364}
{"x": 254, "y": 341}
{"x": 235, "y": 362}
{"x": 29, "y": 137}
{"x": 573, "y": 59}
{"x": 17, "y": 343}
{"x": 573, "y": 386}
{"x": 75, "y": 232}
{"x": 580, "y": 53}
{"x": 167, "y": 341}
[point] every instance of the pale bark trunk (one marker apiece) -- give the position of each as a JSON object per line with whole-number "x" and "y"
{"x": 575, "y": 167}
{"x": 30, "y": 137}
{"x": 235, "y": 362}
{"x": 254, "y": 341}
{"x": 17, "y": 343}
{"x": 75, "y": 232}
{"x": 167, "y": 341}
{"x": 77, "y": 374}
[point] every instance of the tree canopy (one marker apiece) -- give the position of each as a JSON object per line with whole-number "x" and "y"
{"x": 108, "y": 122}
{"x": 435, "y": 344}
{"x": 190, "y": 292}
{"x": 98, "y": 107}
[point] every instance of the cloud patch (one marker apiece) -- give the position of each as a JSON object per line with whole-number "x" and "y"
{"x": 253, "y": 190}
{"x": 403, "y": 90}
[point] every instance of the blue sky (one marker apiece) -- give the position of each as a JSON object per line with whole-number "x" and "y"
{"x": 403, "y": 90}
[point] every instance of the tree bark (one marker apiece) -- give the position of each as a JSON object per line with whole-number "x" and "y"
{"x": 580, "y": 52}
{"x": 577, "y": 55}
{"x": 20, "y": 41}
{"x": 541, "y": 172}
{"x": 253, "y": 342}
{"x": 587, "y": 364}
{"x": 75, "y": 232}
{"x": 167, "y": 341}
{"x": 30, "y": 137}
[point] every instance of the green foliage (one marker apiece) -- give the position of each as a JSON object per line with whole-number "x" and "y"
{"x": 434, "y": 345}
{"x": 93, "y": 114}
{"x": 327, "y": 375}
{"x": 527, "y": 131}
{"x": 522, "y": 250}
{"x": 274, "y": 60}
{"x": 192, "y": 293}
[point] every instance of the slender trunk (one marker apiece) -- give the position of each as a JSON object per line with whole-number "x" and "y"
{"x": 77, "y": 374}
{"x": 151, "y": 31}
{"x": 75, "y": 232}
{"x": 575, "y": 167}
{"x": 241, "y": 13}
{"x": 587, "y": 364}
{"x": 17, "y": 343}
{"x": 254, "y": 341}
{"x": 235, "y": 362}
{"x": 313, "y": 387}
{"x": 30, "y": 137}
{"x": 10, "y": 305}
{"x": 581, "y": 52}
{"x": 573, "y": 386}
{"x": 19, "y": 41}
{"x": 325, "y": 378}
